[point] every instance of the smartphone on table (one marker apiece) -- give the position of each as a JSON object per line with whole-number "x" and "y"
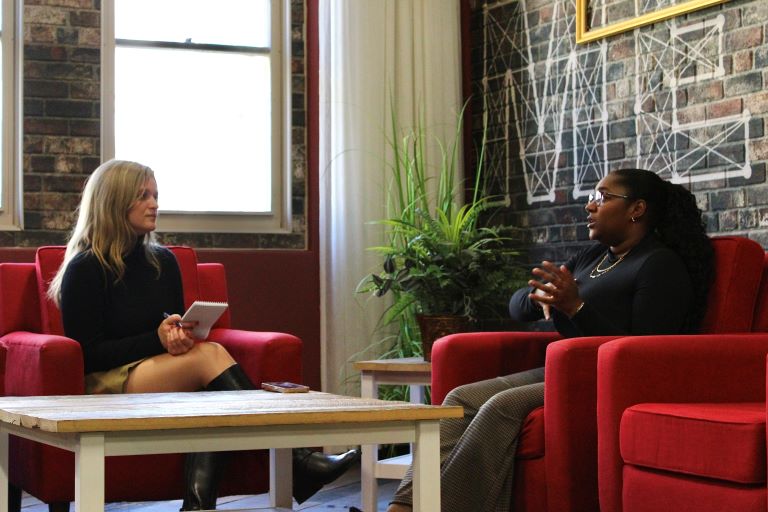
{"x": 284, "y": 387}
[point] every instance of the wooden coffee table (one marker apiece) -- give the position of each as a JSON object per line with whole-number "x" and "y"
{"x": 96, "y": 426}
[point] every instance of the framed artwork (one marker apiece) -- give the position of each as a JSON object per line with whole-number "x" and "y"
{"x": 620, "y": 16}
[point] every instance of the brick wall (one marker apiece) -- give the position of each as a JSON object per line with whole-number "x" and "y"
{"x": 685, "y": 98}
{"x": 61, "y": 114}
{"x": 62, "y": 125}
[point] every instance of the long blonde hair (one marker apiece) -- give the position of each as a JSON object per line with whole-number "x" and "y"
{"x": 102, "y": 220}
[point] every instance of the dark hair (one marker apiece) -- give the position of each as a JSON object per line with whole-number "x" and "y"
{"x": 676, "y": 219}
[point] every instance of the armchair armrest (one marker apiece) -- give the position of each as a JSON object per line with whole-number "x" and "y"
{"x": 264, "y": 356}
{"x": 472, "y": 356}
{"x": 673, "y": 369}
{"x": 570, "y": 444}
{"x": 42, "y": 364}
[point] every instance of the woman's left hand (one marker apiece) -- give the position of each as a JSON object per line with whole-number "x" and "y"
{"x": 557, "y": 288}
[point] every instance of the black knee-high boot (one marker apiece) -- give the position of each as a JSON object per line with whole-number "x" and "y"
{"x": 202, "y": 471}
{"x": 311, "y": 470}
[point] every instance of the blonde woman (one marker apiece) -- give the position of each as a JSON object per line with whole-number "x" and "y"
{"x": 113, "y": 288}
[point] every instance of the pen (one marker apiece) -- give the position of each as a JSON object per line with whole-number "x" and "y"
{"x": 178, "y": 324}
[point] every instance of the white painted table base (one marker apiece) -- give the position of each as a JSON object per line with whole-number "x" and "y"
{"x": 395, "y": 467}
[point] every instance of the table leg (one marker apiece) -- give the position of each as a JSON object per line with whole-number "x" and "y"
{"x": 89, "y": 472}
{"x": 417, "y": 393}
{"x": 4, "y": 470}
{"x": 280, "y": 478}
{"x": 426, "y": 467}
{"x": 369, "y": 485}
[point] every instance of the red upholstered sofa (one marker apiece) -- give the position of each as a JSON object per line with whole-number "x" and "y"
{"x": 42, "y": 361}
{"x": 556, "y": 467}
{"x": 682, "y": 421}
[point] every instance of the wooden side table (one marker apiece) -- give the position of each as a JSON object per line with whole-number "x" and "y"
{"x": 416, "y": 373}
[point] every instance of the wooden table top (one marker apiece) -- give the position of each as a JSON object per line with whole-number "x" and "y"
{"x": 162, "y": 411}
{"x": 403, "y": 364}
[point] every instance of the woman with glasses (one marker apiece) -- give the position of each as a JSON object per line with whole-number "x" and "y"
{"x": 648, "y": 272}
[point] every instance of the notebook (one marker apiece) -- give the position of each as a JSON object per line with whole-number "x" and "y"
{"x": 205, "y": 314}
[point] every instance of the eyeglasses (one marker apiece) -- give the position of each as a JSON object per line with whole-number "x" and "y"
{"x": 598, "y": 197}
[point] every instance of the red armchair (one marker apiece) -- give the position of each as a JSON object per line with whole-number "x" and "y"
{"x": 681, "y": 421}
{"x": 42, "y": 361}
{"x": 556, "y": 469}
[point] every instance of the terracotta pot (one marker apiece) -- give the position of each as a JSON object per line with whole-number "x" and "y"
{"x": 433, "y": 327}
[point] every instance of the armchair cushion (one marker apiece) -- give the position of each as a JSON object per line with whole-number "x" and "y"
{"x": 760, "y": 320}
{"x": 655, "y": 491}
{"x": 213, "y": 286}
{"x": 47, "y": 263}
{"x": 20, "y": 310}
{"x": 187, "y": 261}
{"x": 531, "y": 443}
{"x": 714, "y": 440}
{"x": 733, "y": 294}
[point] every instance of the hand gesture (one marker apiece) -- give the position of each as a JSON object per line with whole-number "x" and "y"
{"x": 545, "y": 308}
{"x": 557, "y": 289}
{"x": 175, "y": 339}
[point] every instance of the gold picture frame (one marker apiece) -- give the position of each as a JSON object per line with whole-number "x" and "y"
{"x": 585, "y": 34}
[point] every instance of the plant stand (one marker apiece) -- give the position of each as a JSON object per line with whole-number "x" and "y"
{"x": 412, "y": 371}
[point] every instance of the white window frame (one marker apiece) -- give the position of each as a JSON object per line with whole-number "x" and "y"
{"x": 11, "y": 213}
{"x": 279, "y": 219}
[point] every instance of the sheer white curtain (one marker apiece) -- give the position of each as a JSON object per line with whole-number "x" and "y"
{"x": 375, "y": 56}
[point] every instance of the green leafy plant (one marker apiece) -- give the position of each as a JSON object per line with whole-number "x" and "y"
{"x": 442, "y": 257}
{"x": 447, "y": 265}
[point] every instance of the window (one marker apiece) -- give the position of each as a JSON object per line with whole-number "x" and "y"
{"x": 10, "y": 116}
{"x": 195, "y": 90}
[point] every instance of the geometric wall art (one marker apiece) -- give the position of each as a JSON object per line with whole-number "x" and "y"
{"x": 669, "y": 58}
{"x": 554, "y": 108}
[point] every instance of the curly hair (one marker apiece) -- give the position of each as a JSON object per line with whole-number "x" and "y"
{"x": 676, "y": 219}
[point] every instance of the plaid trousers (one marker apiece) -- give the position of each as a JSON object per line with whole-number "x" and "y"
{"x": 477, "y": 452}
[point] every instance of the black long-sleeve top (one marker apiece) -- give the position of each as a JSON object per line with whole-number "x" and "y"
{"x": 116, "y": 322}
{"x": 649, "y": 292}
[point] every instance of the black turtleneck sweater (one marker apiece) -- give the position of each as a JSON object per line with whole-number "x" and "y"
{"x": 116, "y": 322}
{"x": 649, "y": 292}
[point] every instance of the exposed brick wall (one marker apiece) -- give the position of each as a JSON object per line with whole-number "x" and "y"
{"x": 61, "y": 113}
{"x": 62, "y": 125}
{"x": 685, "y": 98}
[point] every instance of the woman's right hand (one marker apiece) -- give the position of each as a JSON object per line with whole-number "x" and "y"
{"x": 174, "y": 339}
{"x": 545, "y": 308}
{"x": 557, "y": 289}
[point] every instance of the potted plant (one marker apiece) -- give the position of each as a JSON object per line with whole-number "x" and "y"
{"x": 445, "y": 264}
